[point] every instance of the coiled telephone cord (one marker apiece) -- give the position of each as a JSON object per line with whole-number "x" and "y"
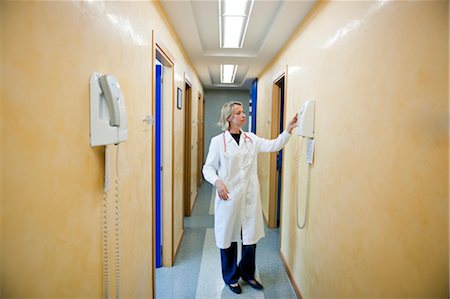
{"x": 106, "y": 278}
{"x": 308, "y": 177}
{"x": 117, "y": 225}
{"x": 105, "y": 244}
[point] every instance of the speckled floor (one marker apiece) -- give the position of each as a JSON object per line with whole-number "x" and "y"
{"x": 196, "y": 272}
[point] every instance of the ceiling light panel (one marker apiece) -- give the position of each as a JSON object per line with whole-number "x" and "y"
{"x": 227, "y": 73}
{"x": 234, "y": 16}
{"x": 235, "y": 8}
{"x": 232, "y": 33}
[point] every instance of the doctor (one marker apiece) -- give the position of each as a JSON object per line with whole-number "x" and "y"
{"x": 231, "y": 166}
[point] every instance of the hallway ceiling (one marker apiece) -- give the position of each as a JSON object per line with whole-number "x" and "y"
{"x": 196, "y": 22}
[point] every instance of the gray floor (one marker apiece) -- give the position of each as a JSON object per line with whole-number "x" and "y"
{"x": 196, "y": 272}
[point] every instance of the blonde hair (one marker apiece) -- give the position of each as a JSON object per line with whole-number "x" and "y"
{"x": 227, "y": 111}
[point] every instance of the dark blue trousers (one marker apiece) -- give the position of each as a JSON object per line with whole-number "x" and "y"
{"x": 246, "y": 268}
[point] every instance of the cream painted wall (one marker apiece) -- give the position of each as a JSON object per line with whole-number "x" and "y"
{"x": 179, "y": 150}
{"x": 52, "y": 182}
{"x": 167, "y": 154}
{"x": 378, "y": 221}
{"x": 263, "y": 129}
{"x": 178, "y": 170}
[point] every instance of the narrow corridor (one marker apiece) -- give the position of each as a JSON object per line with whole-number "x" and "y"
{"x": 108, "y": 109}
{"x": 196, "y": 272}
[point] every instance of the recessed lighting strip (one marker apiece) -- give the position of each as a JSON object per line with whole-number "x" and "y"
{"x": 234, "y": 16}
{"x": 227, "y": 73}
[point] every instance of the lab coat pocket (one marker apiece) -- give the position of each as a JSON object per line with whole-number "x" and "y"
{"x": 223, "y": 208}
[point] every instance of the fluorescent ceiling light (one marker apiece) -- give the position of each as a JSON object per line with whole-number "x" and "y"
{"x": 232, "y": 33}
{"x": 235, "y": 8}
{"x": 227, "y": 73}
{"x": 234, "y": 16}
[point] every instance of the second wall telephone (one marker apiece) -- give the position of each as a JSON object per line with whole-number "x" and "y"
{"x": 305, "y": 128}
{"x": 305, "y": 125}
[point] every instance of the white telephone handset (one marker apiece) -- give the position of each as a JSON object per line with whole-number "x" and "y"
{"x": 305, "y": 125}
{"x": 111, "y": 90}
{"x": 109, "y": 122}
{"x": 305, "y": 128}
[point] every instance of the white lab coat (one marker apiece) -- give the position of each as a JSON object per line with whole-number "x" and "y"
{"x": 236, "y": 166}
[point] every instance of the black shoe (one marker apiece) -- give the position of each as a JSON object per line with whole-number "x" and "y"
{"x": 254, "y": 284}
{"x": 236, "y": 289}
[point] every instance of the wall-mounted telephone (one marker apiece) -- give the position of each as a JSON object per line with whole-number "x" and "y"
{"x": 305, "y": 128}
{"x": 109, "y": 123}
{"x": 305, "y": 125}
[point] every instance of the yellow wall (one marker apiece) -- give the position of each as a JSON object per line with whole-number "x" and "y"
{"x": 52, "y": 182}
{"x": 264, "y": 127}
{"x": 179, "y": 165}
{"x": 378, "y": 221}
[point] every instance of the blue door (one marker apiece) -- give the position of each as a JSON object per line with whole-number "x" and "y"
{"x": 158, "y": 164}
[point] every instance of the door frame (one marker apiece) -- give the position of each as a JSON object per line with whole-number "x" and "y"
{"x": 275, "y": 131}
{"x": 160, "y": 52}
{"x": 254, "y": 96}
{"x": 157, "y": 174}
{"x": 187, "y": 147}
{"x": 200, "y": 137}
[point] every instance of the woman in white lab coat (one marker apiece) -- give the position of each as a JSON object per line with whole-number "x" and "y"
{"x": 231, "y": 166}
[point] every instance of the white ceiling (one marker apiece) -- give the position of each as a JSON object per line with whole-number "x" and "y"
{"x": 196, "y": 23}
